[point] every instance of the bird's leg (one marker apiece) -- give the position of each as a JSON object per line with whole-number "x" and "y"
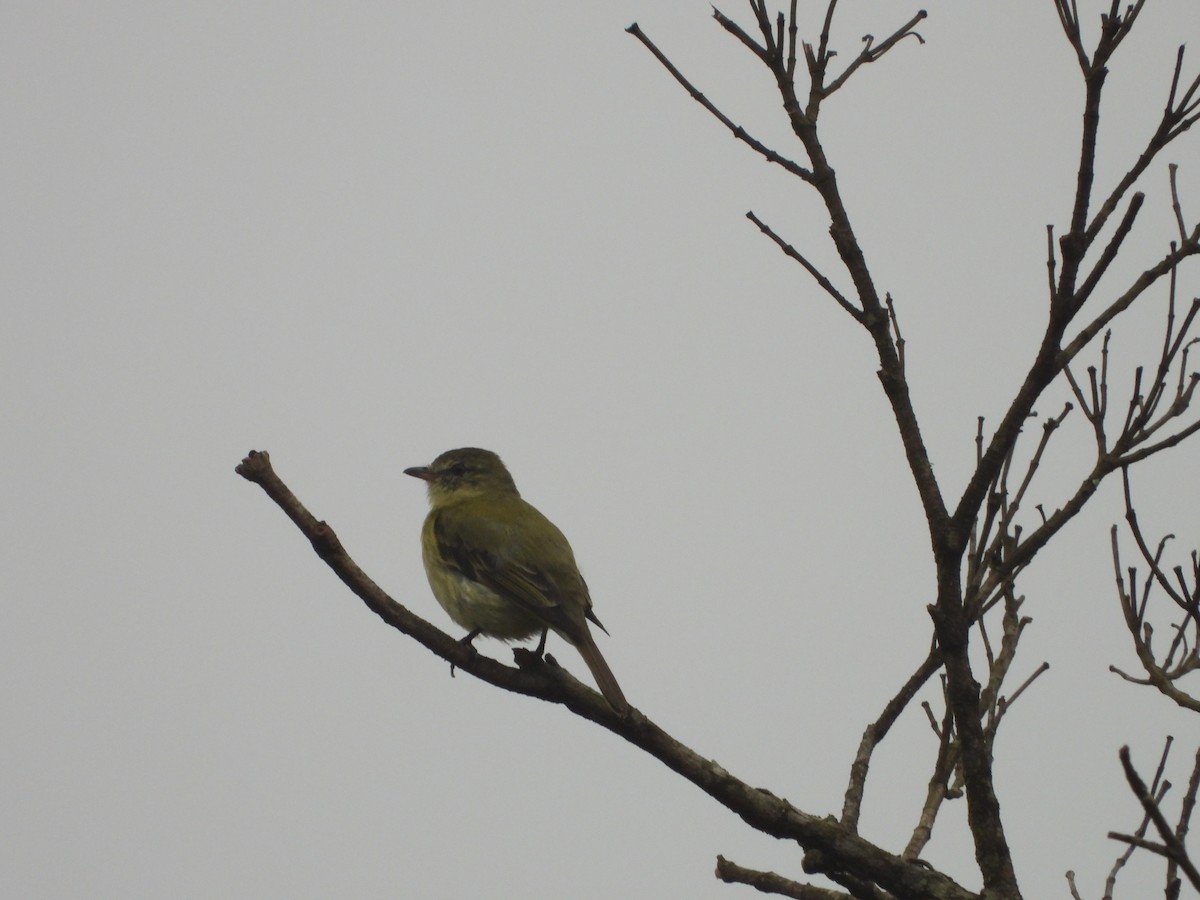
{"x": 541, "y": 647}
{"x": 466, "y": 641}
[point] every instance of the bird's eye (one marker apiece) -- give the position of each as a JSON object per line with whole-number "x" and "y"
{"x": 458, "y": 470}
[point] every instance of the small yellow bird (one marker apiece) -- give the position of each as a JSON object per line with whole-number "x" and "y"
{"x": 499, "y": 567}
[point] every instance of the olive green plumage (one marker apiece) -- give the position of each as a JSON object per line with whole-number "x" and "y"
{"x": 498, "y": 566}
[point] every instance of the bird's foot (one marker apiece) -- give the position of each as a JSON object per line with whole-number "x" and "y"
{"x": 528, "y": 659}
{"x": 466, "y": 642}
{"x": 531, "y": 659}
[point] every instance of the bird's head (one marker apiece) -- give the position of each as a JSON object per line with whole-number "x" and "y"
{"x": 462, "y": 473}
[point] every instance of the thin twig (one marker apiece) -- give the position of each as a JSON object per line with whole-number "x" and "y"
{"x": 899, "y": 338}
{"x": 874, "y": 734}
{"x": 812, "y": 270}
{"x": 1176, "y": 206}
{"x": 1171, "y": 847}
{"x": 937, "y": 789}
{"x": 870, "y": 54}
{"x": 771, "y": 883}
{"x": 737, "y": 130}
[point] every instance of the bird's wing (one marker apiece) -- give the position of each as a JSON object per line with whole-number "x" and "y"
{"x": 488, "y": 551}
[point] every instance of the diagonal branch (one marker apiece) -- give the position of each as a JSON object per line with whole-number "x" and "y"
{"x": 1172, "y": 847}
{"x": 1159, "y": 790}
{"x": 738, "y": 132}
{"x": 771, "y": 883}
{"x": 1176, "y": 119}
{"x": 812, "y": 270}
{"x": 870, "y": 54}
{"x": 878, "y": 730}
{"x": 1166, "y": 443}
{"x": 765, "y": 53}
{"x": 937, "y": 789}
{"x": 1022, "y": 553}
{"x": 1110, "y": 252}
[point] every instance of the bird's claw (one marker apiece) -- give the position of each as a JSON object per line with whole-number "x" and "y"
{"x": 466, "y": 642}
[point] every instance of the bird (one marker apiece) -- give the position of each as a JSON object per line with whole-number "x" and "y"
{"x": 499, "y": 567}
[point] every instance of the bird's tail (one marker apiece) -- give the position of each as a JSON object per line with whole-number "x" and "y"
{"x": 605, "y": 680}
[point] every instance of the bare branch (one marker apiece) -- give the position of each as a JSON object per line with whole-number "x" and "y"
{"x": 1071, "y": 886}
{"x": 1140, "y": 284}
{"x": 1051, "y": 266}
{"x": 1113, "y": 30}
{"x": 1171, "y": 848}
{"x": 996, "y": 562}
{"x": 1176, "y": 205}
{"x": 1188, "y": 806}
{"x": 1175, "y": 121}
{"x": 1048, "y": 429}
{"x": 812, "y": 270}
{"x": 738, "y": 132}
{"x": 792, "y": 32}
{"x": 1182, "y": 115}
{"x": 1162, "y": 675}
{"x": 1110, "y": 251}
{"x": 937, "y": 790}
{"x": 1128, "y": 459}
{"x": 1068, "y": 16}
{"x": 1049, "y": 361}
{"x": 877, "y": 731}
{"x": 1142, "y": 418}
{"x": 771, "y": 883}
{"x": 762, "y": 52}
{"x": 1110, "y": 883}
{"x": 1158, "y": 790}
{"x": 870, "y": 54}
{"x": 898, "y": 337}
{"x": 823, "y": 52}
{"x": 1170, "y": 349}
{"x": 1021, "y": 554}
{"x": 993, "y": 706}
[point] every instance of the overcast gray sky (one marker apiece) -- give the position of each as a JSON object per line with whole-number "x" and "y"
{"x": 356, "y": 235}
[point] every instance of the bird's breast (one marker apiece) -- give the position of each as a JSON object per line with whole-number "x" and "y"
{"x": 476, "y": 606}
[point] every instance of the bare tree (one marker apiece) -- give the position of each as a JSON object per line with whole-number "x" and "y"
{"x": 982, "y": 540}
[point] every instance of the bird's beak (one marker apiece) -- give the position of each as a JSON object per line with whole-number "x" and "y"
{"x": 422, "y": 472}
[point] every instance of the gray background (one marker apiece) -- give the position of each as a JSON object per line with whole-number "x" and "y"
{"x": 359, "y": 234}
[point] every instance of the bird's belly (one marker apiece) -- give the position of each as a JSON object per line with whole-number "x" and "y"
{"x": 475, "y": 606}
